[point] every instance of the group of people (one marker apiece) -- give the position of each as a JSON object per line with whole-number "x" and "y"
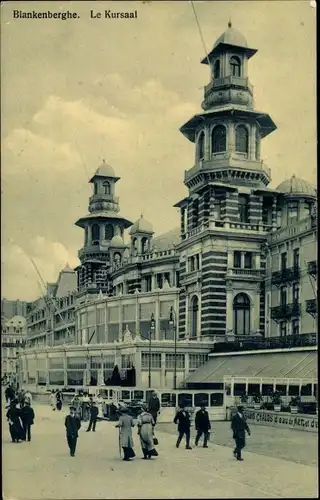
{"x": 56, "y": 399}
{"x": 20, "y": 414}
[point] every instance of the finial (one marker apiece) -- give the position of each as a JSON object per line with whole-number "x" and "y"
{"x": 103, "y": 160}
{"x": 141, "y": 216}
{"x": 230, "y": 23}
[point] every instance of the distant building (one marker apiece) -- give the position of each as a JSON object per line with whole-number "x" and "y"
{"x": 13, "y": 338}
{"x": 11, "y": 308}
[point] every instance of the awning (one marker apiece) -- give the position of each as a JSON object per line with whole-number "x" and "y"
{"x": 302, "y": 364}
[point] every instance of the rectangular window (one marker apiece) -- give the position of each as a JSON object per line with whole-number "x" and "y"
{"x": 159, "y": 281}
{"x": 248, "y": 260}
{"x": 114, "y": 314}
{"x": 295, "y": 327}
{"x": 170, "y": 361}
{"x": 100, "y": 316}
{"x": 293, "y": 210}
{"x": 296, "y": 257}
{"x": 76, "y": 363}
{"x": 244, "y": 208}
{"x": 178, "y": 279}
{"x": 295, "y": 292}
{"x": 283, "y": 261}
{"x": 146, "y": 310}
{"x": 91, "y": 318}
{"x": 283, "y": 329}
{"x": 129, "y": 312}
{"x": 56, "y": 363}
{"x": 283, "y": 296}
{"x": 95, "y": 362}
{"x": 237, "y": 259}
{"x": 165, "y": 308}
{"x": 217, "y": 209}
{"x": 148, "y": 283}
{"x": 155, "y": 360}
{"x": 196, "y": 360}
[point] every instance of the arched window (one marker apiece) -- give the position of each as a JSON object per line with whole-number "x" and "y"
{"x": 95, "y": 188}
{"x": 86, "y": 236}
{"x": 235, "y": 66}
{"x": 194, "y": 310}
{"x": 144, "y": 245}
{"x": 108, "y": 232}
{"x": 117, "y": 259}
{"x": 219, "y": 139}
{"x": 201, "y": 146}
{"x": 241, "y": 314}
{"x": 257, "y": 145}
{"x": 106, "y": 188}
{"x": 95, "y": 234}
{"x": 242, "y": 139}
{"x": 216, "y": 69}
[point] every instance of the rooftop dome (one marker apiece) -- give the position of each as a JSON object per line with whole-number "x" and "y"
{"x": 232, "y": 37}
{"x": 117, "y": 242}
{"x": 105, "y": 170}
{"x": 141, "y": 226}
{"x": 297, "y": 186}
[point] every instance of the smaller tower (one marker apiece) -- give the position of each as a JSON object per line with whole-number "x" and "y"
{"x": 104, "y": 228}
{"x": 141, "y": 236}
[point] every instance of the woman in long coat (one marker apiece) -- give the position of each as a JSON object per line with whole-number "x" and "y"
{"x": 15, "y": 425}
{"x": 125, "y": 425}
{"x": 146, "y": 433}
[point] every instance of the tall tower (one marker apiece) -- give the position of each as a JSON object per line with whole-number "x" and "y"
{"x": 103, "y": 233}
{"x": 228, "y": 212}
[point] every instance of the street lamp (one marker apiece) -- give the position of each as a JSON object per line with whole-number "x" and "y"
{"x": 152, "y": 327}
{"x": 173, "y": 323}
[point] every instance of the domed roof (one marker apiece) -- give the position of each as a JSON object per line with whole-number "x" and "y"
{"x": 141, "y": 226}
{"x": 105, "y": 170}
{"x": 16, "y": 321}
{"x": 297, "y": 186}
{"x": 232, "y": 37}
{"x": 117, "y": 242}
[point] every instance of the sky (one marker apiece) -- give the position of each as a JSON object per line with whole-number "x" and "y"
{"x": 78, "y": 91}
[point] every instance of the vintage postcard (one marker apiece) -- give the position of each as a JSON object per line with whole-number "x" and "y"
{"x": 159, "y": 249}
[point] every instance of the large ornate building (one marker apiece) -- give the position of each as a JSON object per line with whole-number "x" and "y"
{"x": 210, "y": 282}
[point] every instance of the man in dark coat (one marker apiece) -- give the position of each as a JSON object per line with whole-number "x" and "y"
{"x": 27, "y": 417}
{"x": 239, "y": 427}
{"x": 154, "y": 406}
{"x": 9, "y": 393}
{"x": 182, "y": 418}
{"x": 72, "y": 425}
{"x": 94, "y": 410}
{"x": 203, "y": 426}
{"x": 59, "y": 397}
{"x": 14, "y": 418}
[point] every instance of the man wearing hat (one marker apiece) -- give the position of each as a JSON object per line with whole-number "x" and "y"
{"x": 72, "y": 424}
{"x": 239, "y": 427}
{"x": 182, "y": 418}
{"x": 202, "y": 424}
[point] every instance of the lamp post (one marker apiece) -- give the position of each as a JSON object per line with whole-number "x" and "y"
{"x": 152, "y": 326}
{"x": 173, "y": 323}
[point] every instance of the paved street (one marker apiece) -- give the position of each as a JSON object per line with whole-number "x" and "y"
{"x": 43, "y": 468}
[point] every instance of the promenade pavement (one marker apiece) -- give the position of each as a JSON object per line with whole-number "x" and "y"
{"x": 43, "y": 468}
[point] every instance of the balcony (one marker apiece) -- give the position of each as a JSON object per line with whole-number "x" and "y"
{"x": 286, "y": 311}
{"x": 311, "y": 307}
{"x": 313, "y": 268}
{"x": 103, "y": 197}
{"x": 287, "y": 275}
{"x": 226, "y": 161}
{"x": 290, "y": 231}
{"x": 228, "y": 80}
{"x": 93, "y": 249}
{"x": 251, "y": 343}
{"x": 225, "y": 225}
{"x": 239, "y": 273}
{"x": 192, "y": 277}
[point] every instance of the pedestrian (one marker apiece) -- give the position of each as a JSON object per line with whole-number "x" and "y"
{"x": 77, "y": 404}
{"x": 9, "y": 394}
{"x": 146, "y": 433}
{"x": 125, "y": 425}
{"x": 27, "y": 417}
{"x": 53, "y": 400}
{"x": 182, "y": 418}
{"x": 15, "y": 425}
{"x": 202, "y": 424}
{"x": 72, "y": 424}
{"x": 94, "y": 411}
{"x": 239, "y": 427}
{"x": 21, "y": 399}
{"x": 85, "y": 407}
{"x": 59, "y": 400}
{"x": 28, "y": 398}
{"x": 154, "y": 406}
